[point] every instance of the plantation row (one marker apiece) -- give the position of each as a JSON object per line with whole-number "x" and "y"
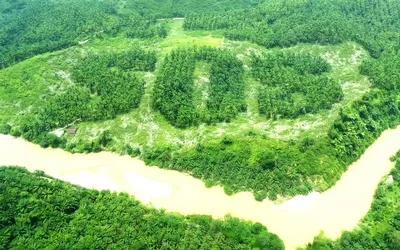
{"x": 174, "y": 87}
{"x": 106, "y": 86}
{"x": 293, "y": 84}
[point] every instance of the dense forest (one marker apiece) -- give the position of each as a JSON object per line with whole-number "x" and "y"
{"x": 174, "y": 87}
{"x": 180, "y": 8}
{"x": 373, "y": 24}
{"x": 293, "y": 85}
{"x": 380, "y": 228}
{"x": 23, "y": 33}
{"x": 38, "y": 211}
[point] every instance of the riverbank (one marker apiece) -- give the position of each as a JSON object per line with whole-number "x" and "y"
{"x": 297, "y": 221}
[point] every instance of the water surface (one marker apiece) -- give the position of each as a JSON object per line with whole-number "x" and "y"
{"x": 297, "y": 221}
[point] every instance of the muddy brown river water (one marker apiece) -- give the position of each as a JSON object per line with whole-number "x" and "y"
{"x": 296, "y": 221}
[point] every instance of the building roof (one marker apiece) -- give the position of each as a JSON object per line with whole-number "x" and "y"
{"x": 71, "y": 130}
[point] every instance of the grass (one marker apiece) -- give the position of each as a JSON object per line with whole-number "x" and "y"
{"x": 202, "y": 78}
{"x": 28, "y": 83}
{"x": 178, "y": 37}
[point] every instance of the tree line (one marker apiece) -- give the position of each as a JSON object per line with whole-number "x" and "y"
{"x": 251, "y": 161}
{"x": 180, "y": 8}
{"x": 38, "y": 211}
{"x": 24, "y": 34}
{"x": 287, "y": 23}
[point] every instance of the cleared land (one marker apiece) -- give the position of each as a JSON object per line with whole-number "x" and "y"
{"x": 28, "y": 83}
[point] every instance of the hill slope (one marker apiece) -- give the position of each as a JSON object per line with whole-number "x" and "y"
{"x": 286, "y": 117}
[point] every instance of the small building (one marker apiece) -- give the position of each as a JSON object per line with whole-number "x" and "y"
{"x": 71, "y": 131}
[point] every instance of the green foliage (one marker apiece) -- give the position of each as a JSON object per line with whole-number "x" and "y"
{"x": 115, "y": 93}
{"x": 174, "y": 87}
{"x": 158, "y": 154}
{"x": 37, "y": 211}
{"x": 180, "y": 8}
{"x": 260, "y": 195}
{"x": 64, "y": 108}
{"x": 209, "y": 183}
{"x": 50, "y": 140}
{"x": 131, "y": 151}
{"x": 361, "y": 123}
{"x": 24, "y": 33}
{"x": 265, "y": 65}
{"x": 103, "y": 91}
{"x": 293, "y": 85}
{"x": 278, "y": 167}
{"x": 135, "y": 59}
{"x": 267, "y": 167}
{"x": 287, "y": 23}
{"x": 380, "y": 227}
{"x": 357, "y": 127}
{"x": 228, "y": 190}
{"x": 5, "y": 128}
{"x": 264, "y": 162}
{"x": 383, "y": 73}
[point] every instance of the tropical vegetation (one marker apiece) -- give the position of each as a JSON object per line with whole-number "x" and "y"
{"x": 380, "y": 228}
{"x": 277, "y": 98}
{"x": 38, "y": 212}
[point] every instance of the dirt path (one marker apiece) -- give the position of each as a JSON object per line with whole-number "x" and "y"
{"x": 296, "y": 221}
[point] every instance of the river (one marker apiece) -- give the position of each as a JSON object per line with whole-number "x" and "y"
{"x": 296, "y": 221}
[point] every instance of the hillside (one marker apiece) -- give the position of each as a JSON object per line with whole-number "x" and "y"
{"x": 281, "y": 116}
